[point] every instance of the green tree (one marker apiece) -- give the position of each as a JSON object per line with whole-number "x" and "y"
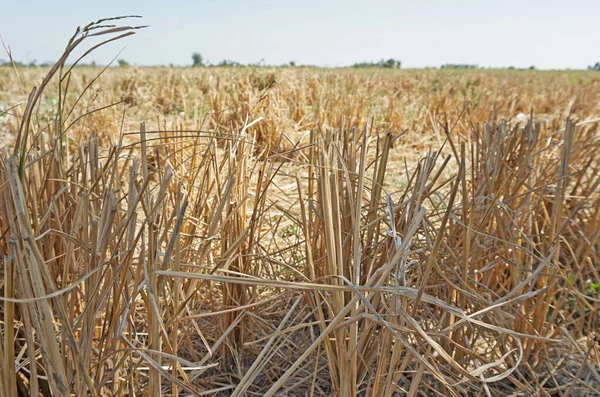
{"x": 391, "y": 64}
{"x": 197, "y": 59}
{"x": 123, "y": 63}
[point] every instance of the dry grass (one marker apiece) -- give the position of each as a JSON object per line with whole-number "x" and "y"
{"x": 275, "y": 239}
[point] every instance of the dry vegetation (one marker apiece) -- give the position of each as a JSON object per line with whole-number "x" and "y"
{"x": 298, "y": 232}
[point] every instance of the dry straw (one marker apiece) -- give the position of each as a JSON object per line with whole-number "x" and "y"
{"x": 198, "y": 262}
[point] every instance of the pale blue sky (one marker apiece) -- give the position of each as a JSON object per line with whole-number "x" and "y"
{"x": 547, "y": 34}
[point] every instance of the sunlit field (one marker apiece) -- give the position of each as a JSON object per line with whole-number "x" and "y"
{"x": 298, "y": 231}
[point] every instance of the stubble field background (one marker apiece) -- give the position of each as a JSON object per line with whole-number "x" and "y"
{"x": 300, "y": 231}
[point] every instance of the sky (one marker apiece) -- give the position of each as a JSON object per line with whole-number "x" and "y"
{"x": 420, "y": 33}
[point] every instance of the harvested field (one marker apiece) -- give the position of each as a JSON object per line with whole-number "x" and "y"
{"x": 298, "y": 231}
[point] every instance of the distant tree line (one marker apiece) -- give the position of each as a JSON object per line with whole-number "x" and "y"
{"x": 34, "y": 64}
{"x": 383, "y": 64}
{"x": 199, "y": 61}
{"x": 459, "y": 66}
{"x": 470, "y": 66}
{"x": 23, "y": 64}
